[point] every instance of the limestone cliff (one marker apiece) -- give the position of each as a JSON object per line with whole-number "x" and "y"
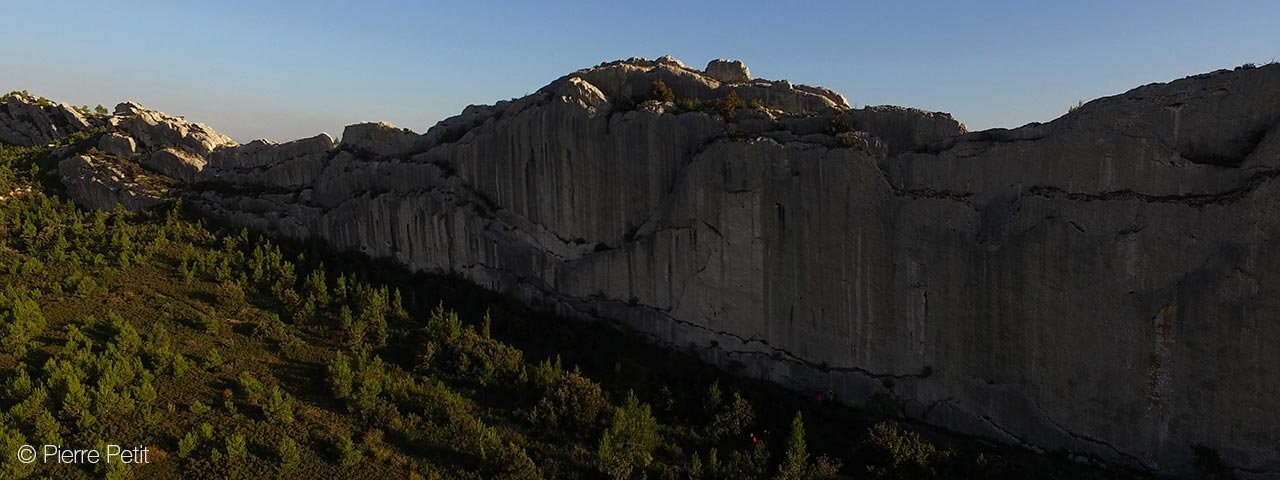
{"x": 1101, "y": 283}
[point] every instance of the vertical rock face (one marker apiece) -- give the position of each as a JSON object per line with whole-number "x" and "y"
{"x": 1101, "y": 283}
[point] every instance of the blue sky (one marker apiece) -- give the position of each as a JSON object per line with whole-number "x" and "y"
{"x": 287, "y": 69}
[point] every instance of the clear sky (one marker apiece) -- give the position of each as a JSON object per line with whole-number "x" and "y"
{"x": 287, "y": 69}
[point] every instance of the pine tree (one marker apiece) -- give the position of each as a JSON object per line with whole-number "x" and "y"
{"x": 278, "y": 410}
{"x": 187, "y": 445}
{"x": 340, "y": 376}
{"x": 345, "y": 319}
{"x": 630, "y": 440}
{"x": 236, "y": 447}
{"x": 290, "y": 454}
{"x": 316, "y": 287}
{"x": 348, "y": 454}
{"x": 340, "y": 288}
{"x": 793, "y": 468}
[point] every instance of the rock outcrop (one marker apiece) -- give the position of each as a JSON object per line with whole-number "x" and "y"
{"x": 175, "y": 163}
{"x": 154, "y": 130}
{"x": 727, "y": 71}
{"x": 28, "y": 120}
{"x": 1100, "y": 284}
{"x": 378, "y": 139}
{"x": 104, "y": 182}
{"x": 118, "y": 145}
{"x": 138, "y": 157}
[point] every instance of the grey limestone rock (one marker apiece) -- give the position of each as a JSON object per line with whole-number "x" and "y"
{"x": 289, "y": 165}
{"x": 27, "y": 120}
{"x": 728, "y": 71}
{"x": 118, "y": 145}
{"x": 174, "y": 163}
{"x": 154, "y": 130}
{"x": 102, "y": 183}
{"x": 378, "y": 138}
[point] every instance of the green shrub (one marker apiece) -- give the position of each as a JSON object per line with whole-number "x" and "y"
{"x": 369, "y": 378}
{"x": 316, "y": 287}
{"x": 486, "y": 359}
{"x": 269, "y": 326}
{"x": 512, "y": 463}
{"x": 236, "y": 447}
{"x": 661, "y": 92}
{"x": 290, "y": 454}
{"x": 572, "y": 401}
{"x": 253, "y": 389}
{"x": 340, "y": 376}
{"x": 278, "y": 408}
{"x": 731, "y": 419}
{"x": 839, "y": 123}
{"x": 749, "y": 465}
{"x": 690, "y": 104}
{"x": 443, "y": 327}
{"x": 207, "y": 321}
{"x": 213, "y": 359}
{"x": 188, "y": 444}
{"x": 629, "y": 442}
{"x": 85, "y": 287}
{"x": 19, "y": 386}
{"x": 48, "y": 429}
{"x": 898, "y": 453}
{"x": 825, "y": 468}
{"x": 348, "y": 454}
{"x": 199, "y": 408}
{"x": 729, "y": 105}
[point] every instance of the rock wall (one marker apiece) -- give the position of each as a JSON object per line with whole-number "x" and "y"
{"x": 1100, "y": 283}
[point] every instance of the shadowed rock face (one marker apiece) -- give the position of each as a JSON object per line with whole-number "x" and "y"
{"x": 1101, "y": 283}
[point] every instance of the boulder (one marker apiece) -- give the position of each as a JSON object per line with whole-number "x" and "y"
{"x": 582, "y": 92}
{"x": 380, "y": 138}
{"x": 118, "y": 145}
{"x": 175, "y": 163}
{"x": 728, "y": 71}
